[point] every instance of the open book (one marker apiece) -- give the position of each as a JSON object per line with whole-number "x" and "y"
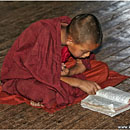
{"x": 110, "y": 101}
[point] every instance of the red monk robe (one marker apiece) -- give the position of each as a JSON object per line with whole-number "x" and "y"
{"x": 32, "y": 68}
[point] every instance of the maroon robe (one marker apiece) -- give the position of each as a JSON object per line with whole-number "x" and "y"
{"x": 32, "y": 68}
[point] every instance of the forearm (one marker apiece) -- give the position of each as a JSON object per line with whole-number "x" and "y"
{"x": 71, "y": 81}
{"x": 77, "y": 69}
{"x": 89, "y": 87}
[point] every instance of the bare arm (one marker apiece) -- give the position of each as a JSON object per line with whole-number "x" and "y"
{"x": 78, "y": 68}
{"x": 89, "y": 87}
{"x": 71, "y": 81}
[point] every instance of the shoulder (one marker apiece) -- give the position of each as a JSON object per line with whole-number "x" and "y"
{"x": 50, "y": 22}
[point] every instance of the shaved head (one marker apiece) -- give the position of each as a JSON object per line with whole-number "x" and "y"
{"x": 85, "y": 27}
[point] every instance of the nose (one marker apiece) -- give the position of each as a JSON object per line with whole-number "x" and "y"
{"x": 86, "y": 55}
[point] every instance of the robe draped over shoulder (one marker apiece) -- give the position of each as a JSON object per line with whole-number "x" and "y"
{"x": 32, "y": 67}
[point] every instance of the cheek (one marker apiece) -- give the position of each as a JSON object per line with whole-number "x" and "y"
{"x": 78, "y": 54}
{"x": 75, "y": 52}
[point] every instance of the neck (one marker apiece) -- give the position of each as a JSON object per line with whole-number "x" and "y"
{"x": 63, "y": 35}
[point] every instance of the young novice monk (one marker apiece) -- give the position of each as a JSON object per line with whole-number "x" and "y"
{"x": 51, "y": 62}
{"x": 81, "y": 36}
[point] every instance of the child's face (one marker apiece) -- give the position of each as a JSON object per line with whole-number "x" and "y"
{"x": 82, "y": 50}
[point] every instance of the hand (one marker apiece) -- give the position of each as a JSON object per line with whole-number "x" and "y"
{"x": 63, "y": 66}
{"x": 89, "y": 87}
{"x": 64, "y": 70}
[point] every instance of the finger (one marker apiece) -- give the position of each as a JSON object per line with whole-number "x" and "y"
{"x": 92, "y": 91}
{"x": 63, "y": 65}
{"x": 66, "y": 70}
{"x": 98, "y": 87}
{"x": 62, "y": 68}
{"x": 95, "y": 90}
{"x": 62, "y": 73}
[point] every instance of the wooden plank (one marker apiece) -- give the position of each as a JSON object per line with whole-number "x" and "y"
{"x": 116, "y": 32}
{"x": 117, "y": 57}
{"x": 125, "y": 85}
{"x": 21, "y": 118}
{"x": 114, "y": 43}
{"x": 111, "y": 48}
{"x": 116, "y": 20}
{"x": 87, "y": 121}
{"x": 113, "y": 123}
{"x": 16, "y": 22}
{"x": 120, "y": 66}
{"x": 107, "y": 16}
{"x": 126, "y": 71}
{"x": 57, "y": 120}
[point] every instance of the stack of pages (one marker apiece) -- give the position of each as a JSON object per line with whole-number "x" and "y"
{"x": 110, "y": 101}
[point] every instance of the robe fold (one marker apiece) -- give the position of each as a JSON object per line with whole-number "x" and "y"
{"x": 32, "y": 67}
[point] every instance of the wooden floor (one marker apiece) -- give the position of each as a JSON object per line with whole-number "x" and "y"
{"x": 115, "y": 20}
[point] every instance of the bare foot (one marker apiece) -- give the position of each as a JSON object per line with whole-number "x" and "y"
{"x": 36, "y": 104}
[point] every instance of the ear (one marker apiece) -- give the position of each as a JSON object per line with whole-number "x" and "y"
{"x": 69, "y": 41}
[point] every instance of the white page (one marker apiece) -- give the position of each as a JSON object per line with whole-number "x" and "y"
{"x": 114, "y": 94}
{"x": 103, "y": 103}
{"x": 118, "y": 104}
